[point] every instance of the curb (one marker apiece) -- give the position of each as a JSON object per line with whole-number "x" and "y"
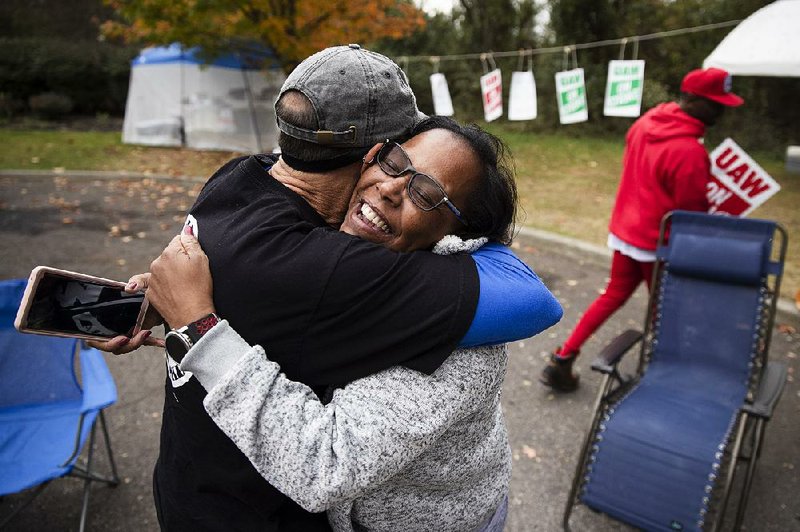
{"x": 566, "y": 241}
{"x": 100, "y": 174}
{"x": 784, "y": 305}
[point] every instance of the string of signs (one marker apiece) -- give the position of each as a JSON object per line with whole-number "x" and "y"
{"x": 624, "y": 84}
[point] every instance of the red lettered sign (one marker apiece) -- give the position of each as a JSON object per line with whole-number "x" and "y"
{"x": 738, "y": 183}
{"x": 492, "y": 92}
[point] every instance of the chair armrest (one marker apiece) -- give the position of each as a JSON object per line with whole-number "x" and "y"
{"x": 99, "y": 390}
{"x": 769, "y": 391}
{"x": 608, "y": 358}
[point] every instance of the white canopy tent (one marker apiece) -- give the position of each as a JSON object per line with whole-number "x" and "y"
{"x": 767, "y": 43}
{"x": 174, "y": 99}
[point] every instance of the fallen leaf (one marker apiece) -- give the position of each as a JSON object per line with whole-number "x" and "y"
{"x": 785, "y": 328}
{"x": 66, "y": 220}
{"x": 572, "y": 282}
{"x": 530, "y": 452}
{"x": 122, "y": 262}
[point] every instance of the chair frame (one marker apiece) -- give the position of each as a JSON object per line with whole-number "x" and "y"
{"x": 84, "y": 472}
{"x": 766, "y": 385}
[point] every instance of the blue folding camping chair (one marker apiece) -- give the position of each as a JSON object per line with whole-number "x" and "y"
{"x": 665, "y": 444}
{"x": 46, "y": 412}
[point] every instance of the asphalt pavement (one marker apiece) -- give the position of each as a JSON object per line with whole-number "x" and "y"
{"x": 115, "y": 227}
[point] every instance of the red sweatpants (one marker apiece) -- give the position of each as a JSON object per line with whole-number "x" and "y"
{"x": 626, "y": 274}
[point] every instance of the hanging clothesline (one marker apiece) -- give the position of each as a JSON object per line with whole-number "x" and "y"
{"x": 635, "y": 39}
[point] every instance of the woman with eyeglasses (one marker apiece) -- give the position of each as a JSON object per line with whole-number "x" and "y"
{"x": 398, "y": 450}
{"x": 403, "y": 208}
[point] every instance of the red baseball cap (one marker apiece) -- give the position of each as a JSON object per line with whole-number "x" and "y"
{"x": 711, "y": 83}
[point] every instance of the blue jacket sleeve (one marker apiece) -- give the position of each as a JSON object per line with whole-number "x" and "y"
{"x": 513, "y": 303}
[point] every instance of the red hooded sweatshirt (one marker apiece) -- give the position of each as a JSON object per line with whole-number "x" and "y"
{"x": 664, "y": 168}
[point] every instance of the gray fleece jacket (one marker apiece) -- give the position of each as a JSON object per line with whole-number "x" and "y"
{"x": 398, "y": 450}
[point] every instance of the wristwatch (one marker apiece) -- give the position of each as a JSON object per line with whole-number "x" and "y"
{"x": 179, "y": 341}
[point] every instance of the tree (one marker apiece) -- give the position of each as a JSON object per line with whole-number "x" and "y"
{"x": 292, "y": 29}
{"x": 50, "y": 52}
{"x": 76, "y": 20}
{"x": 497, "y": 24}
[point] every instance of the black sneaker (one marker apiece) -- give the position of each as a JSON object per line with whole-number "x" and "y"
{"x": 558, "y": 375}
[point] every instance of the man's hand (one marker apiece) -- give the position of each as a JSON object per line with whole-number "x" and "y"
{"x": 120, "y": 345}
{"x": 180, "y": 285}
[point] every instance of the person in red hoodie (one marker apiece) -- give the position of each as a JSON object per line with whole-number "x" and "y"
{"x": 665, "y": 167}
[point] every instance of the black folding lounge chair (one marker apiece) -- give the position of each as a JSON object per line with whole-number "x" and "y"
{"x": 665, "y": 444}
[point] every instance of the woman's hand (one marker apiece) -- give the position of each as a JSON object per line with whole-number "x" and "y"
{"x": 120, "y": 345}
{"x": 180, "y": 285}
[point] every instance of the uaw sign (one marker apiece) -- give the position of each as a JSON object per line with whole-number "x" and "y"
{"x": 492, "y": 92}
{"x": 624, "y": 88}
{"x": 738, "y": 184}
{"x": 571, "y": 94}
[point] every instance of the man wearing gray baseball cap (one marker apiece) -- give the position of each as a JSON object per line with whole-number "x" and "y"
{"x": 378, "y": 103}
{"x": 284, "y": 279}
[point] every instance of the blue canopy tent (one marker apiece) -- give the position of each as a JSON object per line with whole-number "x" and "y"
{"x": 177, "y": 97}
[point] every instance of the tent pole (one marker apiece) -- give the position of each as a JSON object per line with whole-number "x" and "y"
{"x": 251, "y": 105}
{"x": 181, "y": 119}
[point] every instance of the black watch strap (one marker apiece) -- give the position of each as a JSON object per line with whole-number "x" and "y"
{"x": 179, "y": 341}
{"x": 198, "y": 328}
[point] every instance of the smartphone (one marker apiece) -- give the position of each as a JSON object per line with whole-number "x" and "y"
{"x": 63, "y": 303}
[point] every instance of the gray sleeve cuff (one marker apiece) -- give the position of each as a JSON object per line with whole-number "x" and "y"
{"x": 215, "y": 354}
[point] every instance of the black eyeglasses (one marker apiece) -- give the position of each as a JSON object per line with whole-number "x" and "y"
{"x": 425, "y": 192}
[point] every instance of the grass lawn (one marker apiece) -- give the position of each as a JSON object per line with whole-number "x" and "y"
{"x": 566, "y": 184}
{"x": 99, "y": 150}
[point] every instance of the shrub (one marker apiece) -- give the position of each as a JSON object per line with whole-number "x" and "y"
{"x": 94, "y": 75}
{"x": 50, "y": 104}
{"x": 9, "y": 105}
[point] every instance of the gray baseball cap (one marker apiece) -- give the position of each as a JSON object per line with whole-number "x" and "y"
{"x": 360, "y": 98}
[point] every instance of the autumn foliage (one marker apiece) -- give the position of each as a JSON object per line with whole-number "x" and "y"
{"x": 293, "y": 29}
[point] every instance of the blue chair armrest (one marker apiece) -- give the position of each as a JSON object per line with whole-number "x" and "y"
{"x": 99, "y": 390}
{"x": 608, "y": 358}
{"x": 769, "y": 391}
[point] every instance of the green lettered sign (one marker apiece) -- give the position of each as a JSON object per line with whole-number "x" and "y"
{"x": 571, "y": 94}
{"x": 624, "y": 88}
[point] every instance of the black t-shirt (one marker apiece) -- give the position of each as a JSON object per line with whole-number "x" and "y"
{"x": 328, "y": 307}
